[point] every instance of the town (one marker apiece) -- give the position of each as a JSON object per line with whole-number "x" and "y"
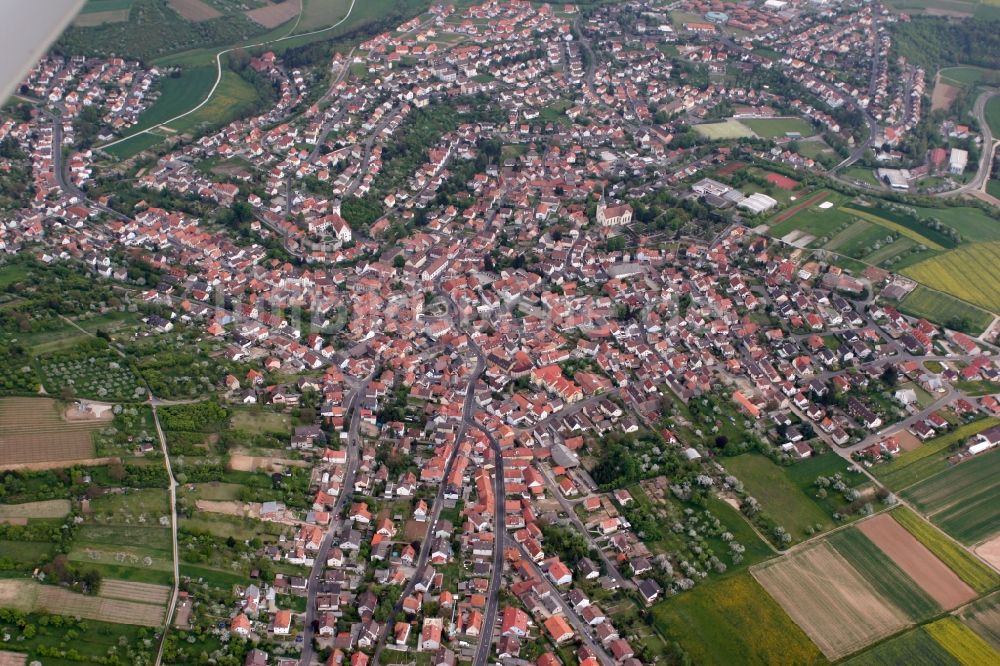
{"x": 511, "y": 332}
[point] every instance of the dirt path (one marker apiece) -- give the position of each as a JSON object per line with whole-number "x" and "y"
{"x": 919, "y": 563}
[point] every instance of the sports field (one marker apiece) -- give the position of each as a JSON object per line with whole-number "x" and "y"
{"x": 727, "y": 129}
{"x": 969, "y": 273}
{"x": 770, "y": 128}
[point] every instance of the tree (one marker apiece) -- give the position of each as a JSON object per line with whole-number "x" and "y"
{"x": 890, "y": 376}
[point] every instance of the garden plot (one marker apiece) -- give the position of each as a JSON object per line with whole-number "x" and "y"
{"x": 832, "y": 603}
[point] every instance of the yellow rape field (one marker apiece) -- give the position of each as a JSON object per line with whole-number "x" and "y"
{"x": 962, "y": 643}
{"x": 969, "y": 273}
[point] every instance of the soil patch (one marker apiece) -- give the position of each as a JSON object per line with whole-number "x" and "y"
{"x": 990, "y": 551}
{"x": 920, "y": 564}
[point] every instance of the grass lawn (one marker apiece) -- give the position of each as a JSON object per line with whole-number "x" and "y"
{"x": 225, "y": 526}
{"x": 93, "y": 6}
{"x": 962, "y": 500}
{"x": 780, "y": 497}
{"x": 944, "y": 309}
{"x": 260, "y": 420}
{"x": 770, "y": 128}
{"x": 733, "y": 621}
{"x": 887, "y": 579}
{"x": 976, "y": 574}
{"x": 912, "y": 466}
{"x": 968, "y": 75}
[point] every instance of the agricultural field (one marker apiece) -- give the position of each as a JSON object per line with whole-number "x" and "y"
{"x": 968, "y": 75}
{"x": 976, "y": 574}
{"x": 96, "y": 12}
{"x": 90, "y": 371}
{"x": 945, "y": 310}
{"x": 930, "y": 458}
{"x": 30, "y": 596}
{"x": 917, "y": 561}
{"x": 983, "y": 617}
{"x": 885, "y": 577}
{"x": 833, "y": 604}
{"x": 962, "y": 643}
{"x": 962, "y": 500}
{"x": 770, "y": 128}
{"x": 727, "y": 129}
{"x": 33, "y": 431}
{"x": 967, "y": 272}
{"x": 779, "y": 497}
{"x": 757, "y": 631}
{"x": 914, "y": 648}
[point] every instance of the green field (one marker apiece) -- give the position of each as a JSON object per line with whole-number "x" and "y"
{"x": 944, "y": 310}
{"x": 733, "y": 621}
{"x": 976, "y": 574}
{"x": 858, "y": 240}
{"x": 983, "y": 617}
{"x": 779, "y": 497}
{"x": 769, "y": 128}
{"x": 914, "y": 648}
{"x": 889, "y": 251}
{"x": 972, "y": 223}
{"x": 177, "y": 95}
{"x": 913, "y": 466}
{"x": 964, "y": 500}
{"x": 887, "y": 579}
{"x": 968, "y": 272}
{"x": 815, "y": 220}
